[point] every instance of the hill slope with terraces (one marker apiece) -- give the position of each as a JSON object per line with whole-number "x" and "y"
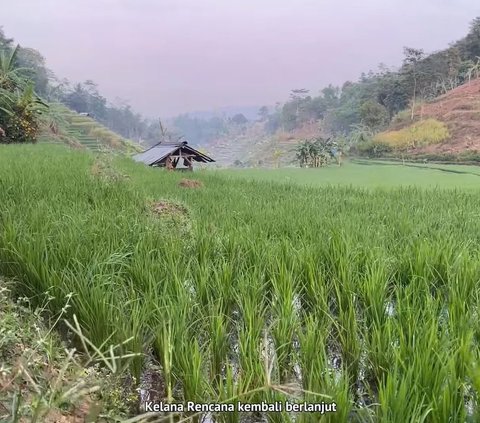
{"x": 254, "y": 147}
{"x": 83, "y": 132}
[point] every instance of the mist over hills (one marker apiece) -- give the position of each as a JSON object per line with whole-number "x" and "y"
{"x": 250, "y": 112}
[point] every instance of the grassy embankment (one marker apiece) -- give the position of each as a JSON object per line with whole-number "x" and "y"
{"x": 80, "y": 131}
{"x": 370, "y": 297}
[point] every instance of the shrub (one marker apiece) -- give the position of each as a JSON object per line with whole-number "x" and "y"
{"x": 371, "y": 149}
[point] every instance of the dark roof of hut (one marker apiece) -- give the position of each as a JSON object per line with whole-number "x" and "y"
{"x": 161, "y": 151}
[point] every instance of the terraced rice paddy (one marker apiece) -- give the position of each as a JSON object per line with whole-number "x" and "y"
{"x": 256, "y": 290}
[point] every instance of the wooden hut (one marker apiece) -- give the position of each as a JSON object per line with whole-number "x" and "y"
{"x": 174, "y": 156}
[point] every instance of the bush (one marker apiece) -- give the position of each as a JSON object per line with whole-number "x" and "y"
{"x": 22, "y": 127}
{"x": 371, "y": 149}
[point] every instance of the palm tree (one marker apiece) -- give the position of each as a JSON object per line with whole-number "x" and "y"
{"x": 11, "y": 77}
{"x": 6, "y": 110}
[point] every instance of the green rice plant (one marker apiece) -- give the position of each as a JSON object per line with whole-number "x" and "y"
{"x": 398, "y": 402}
{"x": 313, "y": 357}
{"x": 262, "y": 290}
{"x": 380, "y": 341}
{"x": 250, "y": 335}
{"x": 348, "y": 338}
{"x": 219, "y": 343}
{"x": 314, "y": 289}
{"x": 284, "y": 322}
{"x": 228, "y": 392}
{"x": 191, "y": 371}
{"x": 164, "y": 346}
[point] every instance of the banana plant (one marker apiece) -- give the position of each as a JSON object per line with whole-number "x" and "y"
{"x": 11, "y": 76}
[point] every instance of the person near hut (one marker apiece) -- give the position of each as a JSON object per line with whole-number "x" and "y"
{"x": 169, "y": 163}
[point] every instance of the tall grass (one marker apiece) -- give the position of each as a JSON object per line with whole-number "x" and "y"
{"x": 425, "y": 132}
{"x": 369, "y": 297}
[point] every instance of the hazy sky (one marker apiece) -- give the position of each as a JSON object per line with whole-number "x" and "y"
{"x": 171, "y": 56}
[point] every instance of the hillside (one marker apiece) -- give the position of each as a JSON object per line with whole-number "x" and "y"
{"x": 446, "y": 128}
{"x": 254, "y": 147}
{"x": 65, "y": 126}
{"x": 459, "y": 109}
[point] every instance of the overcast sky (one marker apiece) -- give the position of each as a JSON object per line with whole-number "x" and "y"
{"x": 172, "y": 56}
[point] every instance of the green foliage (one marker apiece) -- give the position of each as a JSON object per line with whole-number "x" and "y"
{"x": 20, "y": 108}
{"x": 374, "y": 115}
{"x": 11, "y": 77}
{"x": 470, "y": 45}
{"x": 34, "y": 69}
{"x": 316, "y": 152}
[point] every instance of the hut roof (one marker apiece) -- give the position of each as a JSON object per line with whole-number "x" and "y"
{"x": 161, "y": 151}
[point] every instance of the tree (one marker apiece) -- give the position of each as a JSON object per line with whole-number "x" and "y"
{"x": 166, "y": 135}
{"x": 277, "y": 154}
{"x": 5, "y": 43}
{"x": 20, "y": 119}
{"x": 20, "y": 107}
{"x": 96, "y": 104}
{"x": 299, "y": 94}
{"x": 374, "y": 115}
{"x": 11, "y": 77}
{"x": 33, "y": 64}
{"x": 289, "y": 116}
{"x": 78, "y": 99}
{"x": 239, "y": 119}
{"x": 263, "y": 113}
{"x": 474, "y": 70}
{"x": 302, "y": 153}
{"x": 410, "y": 63}
{"x": 470, "y": 46}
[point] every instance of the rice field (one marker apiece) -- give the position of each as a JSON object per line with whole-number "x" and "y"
{"x": 255, "y": 290}
{"x": 370, "y": 174}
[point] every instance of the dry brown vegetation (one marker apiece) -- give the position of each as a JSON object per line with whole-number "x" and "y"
{"x": 459, "y": 109}
{"x": 168, "y": 208}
